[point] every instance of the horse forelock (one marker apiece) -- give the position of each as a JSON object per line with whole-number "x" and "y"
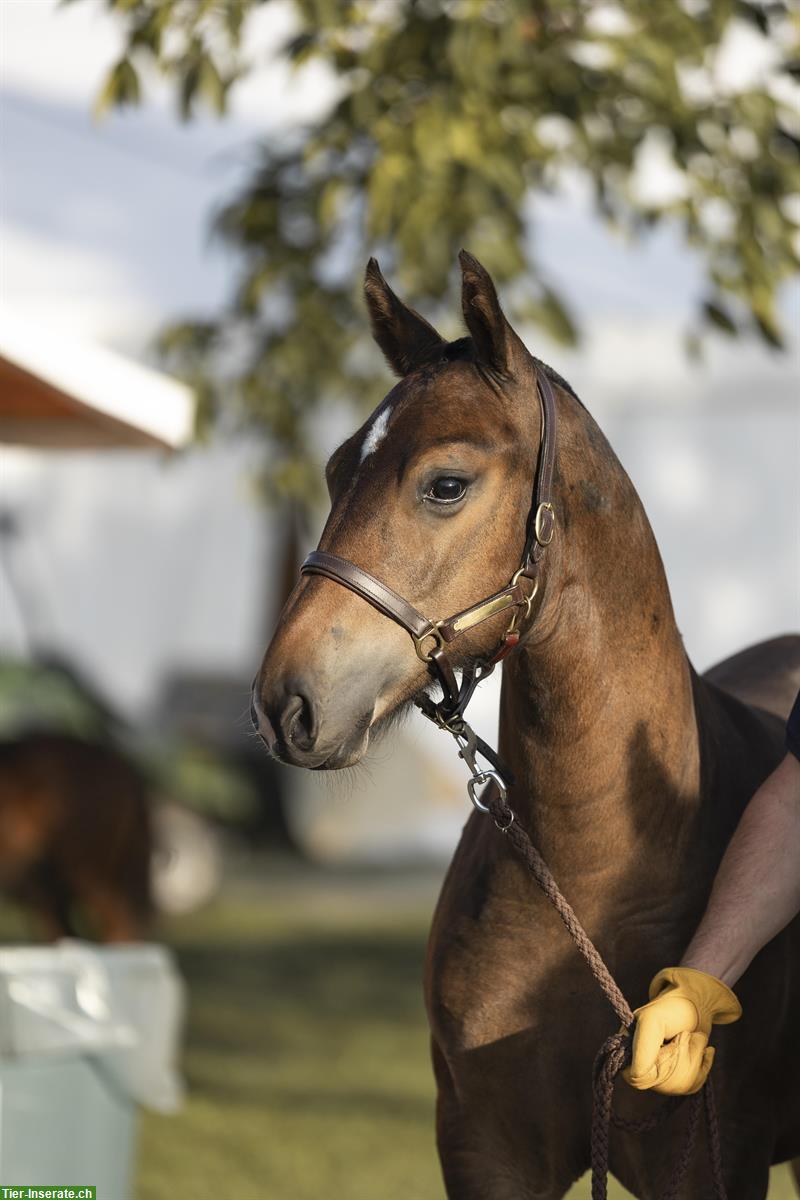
{"x": 463, "y": 350}
{"x": 378, "y": 428}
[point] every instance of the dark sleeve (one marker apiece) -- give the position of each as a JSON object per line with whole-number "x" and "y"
{"x": 793, "y": 729}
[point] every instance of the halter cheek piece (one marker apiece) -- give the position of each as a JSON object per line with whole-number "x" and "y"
{"x": 431, "y": 638}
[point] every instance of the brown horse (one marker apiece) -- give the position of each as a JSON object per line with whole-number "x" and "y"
{"x": 75, "y": 836}
{"x": 631, "y": 771}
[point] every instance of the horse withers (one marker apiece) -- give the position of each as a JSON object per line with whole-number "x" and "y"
{"x": 630, "y": 770}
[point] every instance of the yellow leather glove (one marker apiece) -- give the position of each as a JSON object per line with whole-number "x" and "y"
{"x": 671, "y": 1053}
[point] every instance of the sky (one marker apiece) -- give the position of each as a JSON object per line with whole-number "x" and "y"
{"x": 106, "y": 223}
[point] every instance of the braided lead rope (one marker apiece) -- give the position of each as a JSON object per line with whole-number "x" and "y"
{"x": 714, "y": 1142}
{"x": 615, "y": 1053}
{"x": 682, "y": 1161}
{"x": 609, "y": 1062}
{"x": 504, "y": 819}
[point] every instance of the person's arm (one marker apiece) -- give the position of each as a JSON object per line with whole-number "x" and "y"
{"x": 757, "y": 888}
{"x": 755, "y": 894}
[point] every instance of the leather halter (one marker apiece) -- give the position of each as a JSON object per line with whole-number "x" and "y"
{"x": 431, "y": 638}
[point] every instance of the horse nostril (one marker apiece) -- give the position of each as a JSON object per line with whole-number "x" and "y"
{"x": 299, "y": 723}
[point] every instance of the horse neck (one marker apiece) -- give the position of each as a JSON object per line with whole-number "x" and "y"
{"x": 597, "y": 713}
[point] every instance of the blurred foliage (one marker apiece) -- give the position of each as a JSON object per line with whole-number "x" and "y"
{"x": 450, "y": 117}
{"x": 50, "y": 695}
{"x": 201, "y": 778}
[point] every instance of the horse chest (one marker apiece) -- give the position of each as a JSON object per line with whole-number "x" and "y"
{"x": 501, "y": 967}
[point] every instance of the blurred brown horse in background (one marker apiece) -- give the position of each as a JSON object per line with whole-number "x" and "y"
{"x": 631, "y": 770}
{"x": 75, "y": 837}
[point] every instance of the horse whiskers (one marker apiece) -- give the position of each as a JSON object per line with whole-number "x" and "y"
{"x": 344, "y": 781}
{"x": 391, "y": 720}
{"x": 342, "y": 784}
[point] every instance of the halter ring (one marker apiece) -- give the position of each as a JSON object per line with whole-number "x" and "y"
{"x": 433, "y": 632}
{"x": 528, "y": 599}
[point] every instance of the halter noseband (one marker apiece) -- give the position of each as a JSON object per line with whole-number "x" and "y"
{"x": 431, "y": 638}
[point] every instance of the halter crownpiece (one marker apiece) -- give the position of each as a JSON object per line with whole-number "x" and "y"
{"x": 431, "y": 638}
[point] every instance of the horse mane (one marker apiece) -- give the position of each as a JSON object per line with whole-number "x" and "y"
{"x": 463, "y": 350}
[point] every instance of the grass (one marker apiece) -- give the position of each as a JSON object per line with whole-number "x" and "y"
{"x": 306, "y": 1053}
{"x": 305, "y": 1064}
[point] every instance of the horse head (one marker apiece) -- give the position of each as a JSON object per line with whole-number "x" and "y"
{"x": 432, "y": 497}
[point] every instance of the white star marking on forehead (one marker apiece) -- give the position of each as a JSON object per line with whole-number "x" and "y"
{"x": 376, "y": 433}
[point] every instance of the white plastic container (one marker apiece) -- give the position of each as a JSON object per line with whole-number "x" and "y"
{"x": 87, "y": 1033}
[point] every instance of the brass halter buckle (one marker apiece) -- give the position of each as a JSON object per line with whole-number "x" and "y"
{"x": 432, "y": 632}
{"x": 528, "y": 600}
{"x": 538, "y": 526}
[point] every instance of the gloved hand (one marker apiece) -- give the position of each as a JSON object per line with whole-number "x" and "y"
{"x": 671, "y": 1053}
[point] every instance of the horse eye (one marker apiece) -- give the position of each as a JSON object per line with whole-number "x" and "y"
{"x": 447, "y": 489}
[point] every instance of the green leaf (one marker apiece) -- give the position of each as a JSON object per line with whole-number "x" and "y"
{"x": 188, "y": 89}
{"x": 299, "y": 49}
{"x": 210, "y": 86}
{"x": 121, "y": 88}
{"x": 550, "y": 313}
{"x": 718, "y": 315}
{"x": 769, "y": 330}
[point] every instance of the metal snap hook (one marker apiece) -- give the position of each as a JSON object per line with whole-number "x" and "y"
{"x": 478, "y": 780}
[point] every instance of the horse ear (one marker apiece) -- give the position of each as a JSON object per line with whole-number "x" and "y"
{"x": 496, "y": 343}
{"x": 406, "y": 338}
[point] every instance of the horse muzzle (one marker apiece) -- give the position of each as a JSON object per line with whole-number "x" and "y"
{"x": 289, "y": 720}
